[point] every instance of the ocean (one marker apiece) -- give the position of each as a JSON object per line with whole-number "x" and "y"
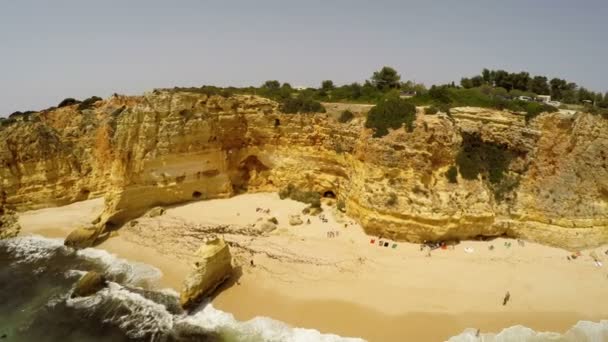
{"x": 37, "y": 276}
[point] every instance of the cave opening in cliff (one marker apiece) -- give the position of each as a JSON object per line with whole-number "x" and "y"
{"x": 196, "y": 194}
{"x": 329, "y": 194}
{"x": 277, "y": 122}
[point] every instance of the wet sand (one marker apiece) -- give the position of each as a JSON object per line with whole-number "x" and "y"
{"x": 348, "y": 286}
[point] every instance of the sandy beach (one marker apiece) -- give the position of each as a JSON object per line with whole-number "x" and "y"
{"x": 347, "y": 285}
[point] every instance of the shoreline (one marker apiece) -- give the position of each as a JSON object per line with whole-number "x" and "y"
{"x": 349, "y": 287}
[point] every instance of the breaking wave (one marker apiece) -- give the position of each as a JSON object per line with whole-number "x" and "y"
{"x": 583, "y": 331}
{"x": 131, "y": 308}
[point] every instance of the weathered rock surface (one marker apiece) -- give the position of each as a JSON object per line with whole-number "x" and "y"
{"x": 156, "y": 211}
{"x": 167, "y": 147}
{"x": 295, "y": 220}
{"x": 265, "y": 226}
{"x": 89, "y": 284}
{"x": 9, "y": 225}
{"x": 82, "y": 237}
{"x": 212, "y": 267}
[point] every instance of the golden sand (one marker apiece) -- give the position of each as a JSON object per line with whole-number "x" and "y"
{"x": 348, "y": 286}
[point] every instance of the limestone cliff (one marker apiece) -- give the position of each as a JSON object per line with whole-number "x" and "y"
{"x": 170, "y": 146}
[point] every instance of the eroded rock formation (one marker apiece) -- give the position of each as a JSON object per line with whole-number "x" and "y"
{"x": 167, "y": 147}
{"x": 212, "y": 267}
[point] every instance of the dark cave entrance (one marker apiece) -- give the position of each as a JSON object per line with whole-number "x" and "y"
{"x": 329, "y": 194}
{"x": 196, "y": 194}
{"x": 277, "y": 122}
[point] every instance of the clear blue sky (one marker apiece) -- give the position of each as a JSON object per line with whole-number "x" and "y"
{"x": 50, "y": 50}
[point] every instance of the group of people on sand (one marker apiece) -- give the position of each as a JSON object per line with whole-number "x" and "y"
{"x": 261, "y": 210}
{"x": 332, "y": 234}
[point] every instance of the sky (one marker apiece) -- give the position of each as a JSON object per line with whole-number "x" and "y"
{"x": 50, "y": 50}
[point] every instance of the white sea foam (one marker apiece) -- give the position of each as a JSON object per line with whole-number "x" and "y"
{"x": 136, "y": 315}
{"x": 134, "y": 273}
{"x": 259, "y": 328}
{"x": 30, "y": 249}
{"x": 583, "y": 331}
{"x": 139, "y": 316}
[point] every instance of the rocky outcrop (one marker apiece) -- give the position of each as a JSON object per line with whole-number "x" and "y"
{"x": 167, "y": 147}
{"x": 9, "y": 225}
{"x": 91, "y": 283}
{"x": 295, "y": 220}
{"x": 82, "y": 237}
{"x": 212, "y": 267}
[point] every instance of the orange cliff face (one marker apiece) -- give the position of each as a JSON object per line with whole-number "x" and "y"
{"x": 168, "y": 147}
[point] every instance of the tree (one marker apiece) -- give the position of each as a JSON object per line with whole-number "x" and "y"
{"x": 557, "y": 87}
{"x": 356, "y": 90}
{"x": 466, "y": 83}
{"x": 477, "y": 81}
{"x": 584, "y": 94}
{"x": 327, "y": 85}
{"x": 386, "y": 78}
{"x": 539, "y": 85}
{"x": 272, "y": 84}
{"x": 502, "y": 79}
{"x": 520, "y": 80}
{"x": 487, "y": 76}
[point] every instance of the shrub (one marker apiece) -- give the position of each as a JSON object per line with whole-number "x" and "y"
{"x": 340, "y": 205}
{"x": 439, "y": 94}
{"x": 346, "y": 116}
{"x": 207, "y": 90}
{"x": 301, "y": 104}
{"x": 431, "y": 110}
{"x": 533, "y": 109}
{"x": 477, "y": 156}
{"x": 391, "y": 113}
{"x": 308, "y": 197}
{"x": 452, "y": 174}
{"x": 67, "y": 102}
{"x": 88, "y": 103}
{"x": 597, "y": 111}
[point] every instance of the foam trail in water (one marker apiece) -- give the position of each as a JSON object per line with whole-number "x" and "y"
{"x": 128, "y": 272}
{"x": 259, "y": 328}
{"x": 136, "y": 315}
{"x": 583, "y": 331}
{"x": 30, "y": 249}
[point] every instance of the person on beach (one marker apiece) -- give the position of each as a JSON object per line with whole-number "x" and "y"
{"x": 506, "y": 299}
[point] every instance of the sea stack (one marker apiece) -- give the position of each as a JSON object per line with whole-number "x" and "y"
{"x": 212, "y": 267}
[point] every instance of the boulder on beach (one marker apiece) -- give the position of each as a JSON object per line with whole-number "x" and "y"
{"x": 212, "y": 267}
{"x": 295, "y": 220}
{"x": 266, "y": 226}
{"x": 156, "y": 211}
{"x": 312, "y": 211}
{"x": 89, "y": 284}
{"x": 82, "y": 237}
